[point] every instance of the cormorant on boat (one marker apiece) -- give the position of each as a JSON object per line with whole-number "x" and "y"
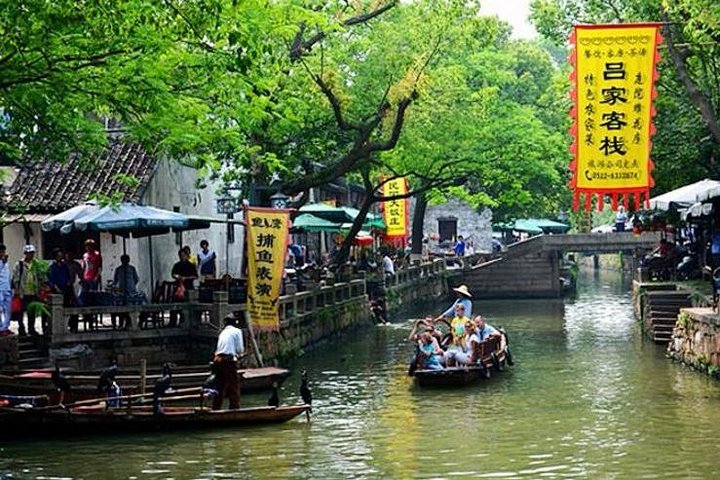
{"x": 305, "y": 393}
{"x": 107, "y": 378}
{"x": 211, "y": 382}
{"x": 274, "y": 400}
{"x": 162, "y": 385}
{"x": 60, "y": 382}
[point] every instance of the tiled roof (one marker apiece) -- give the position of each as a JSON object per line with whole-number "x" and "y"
{"x": 53, "y": 187}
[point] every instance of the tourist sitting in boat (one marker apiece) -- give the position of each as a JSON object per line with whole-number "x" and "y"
{"x": 463, "y": 298}
{"x": 425, "y": 325}
{"x": 485, "y": 330}
{"x": 457, "y": 342}
{"x": 429, "y": 351}
{"x": 460, "y": 352}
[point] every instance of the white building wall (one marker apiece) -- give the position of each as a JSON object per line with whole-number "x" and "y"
{"x": 14, "y": 239}
{"x": 173, "y": 185}
{"x": 471, "y": 224}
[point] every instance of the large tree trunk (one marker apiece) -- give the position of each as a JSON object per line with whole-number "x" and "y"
{"x": 699, "y": 99}
{"x": 344, "y": 251}
{"x": 418, "y": 224}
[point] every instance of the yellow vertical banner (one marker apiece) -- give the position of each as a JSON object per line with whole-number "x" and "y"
{"x": 613, "y": 91}
{"x": 267, "y": 233}
{"x": 395, "y": 211}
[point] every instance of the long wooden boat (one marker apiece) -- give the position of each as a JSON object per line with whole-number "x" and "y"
{"x": 84, "y": 383}
{"x": 97, "y": 419}
{"x": 490, "y": 355}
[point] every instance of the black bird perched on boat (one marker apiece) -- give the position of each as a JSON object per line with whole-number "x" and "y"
{"x": 60, "y": 382}
{"x": 305, "y": 393}
{"x": 274, "y": 400}
{"x": 211, "y": 382}
{"x": 107, "y": 378}
{"x": 162, "y": 385}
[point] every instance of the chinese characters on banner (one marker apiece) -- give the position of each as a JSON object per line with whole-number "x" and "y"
{"x": 395, "y": 211}
{"x": 267, "y": 232}
{"x": 613, "y": 91}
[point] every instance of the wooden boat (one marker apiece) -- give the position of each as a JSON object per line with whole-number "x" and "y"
{"x": 99, "y": 420}
{"x": 84, "y": 383}
{"x": 490, "y": 354}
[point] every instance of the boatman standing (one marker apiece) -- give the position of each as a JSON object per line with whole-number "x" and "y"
{"x": 230, "y": 346}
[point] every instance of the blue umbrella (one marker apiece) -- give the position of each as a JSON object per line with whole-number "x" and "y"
{"x": 124, "y": 219}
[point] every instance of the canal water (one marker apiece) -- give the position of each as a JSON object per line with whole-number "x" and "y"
{"x": 589, "y": 397}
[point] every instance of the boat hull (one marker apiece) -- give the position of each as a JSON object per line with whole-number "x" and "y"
{"x": 449, "y": 377}
{"x": 98, "y": 420}
{"x": 84, "y": 384}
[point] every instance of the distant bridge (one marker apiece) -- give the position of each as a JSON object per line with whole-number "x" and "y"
{"x": 531, "y": 268}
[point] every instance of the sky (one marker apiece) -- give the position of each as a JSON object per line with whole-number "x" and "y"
{"x": 515, "y": 12}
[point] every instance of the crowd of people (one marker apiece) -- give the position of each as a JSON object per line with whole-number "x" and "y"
{"x": 26, "y": 284}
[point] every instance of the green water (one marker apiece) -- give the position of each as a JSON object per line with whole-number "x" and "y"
{"x": 587, "y": 398}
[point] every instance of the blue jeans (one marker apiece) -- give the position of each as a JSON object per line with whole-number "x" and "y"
{"x": 5, "y": 299}
{"x": 432, "y": 363}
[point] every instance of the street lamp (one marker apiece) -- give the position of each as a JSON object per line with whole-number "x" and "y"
{"x": 279, "y": 201}
{"x": 228, "y": 206}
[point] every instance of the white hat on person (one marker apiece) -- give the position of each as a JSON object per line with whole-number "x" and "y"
{"x": 29, "y": 249}
{"x": 463, "y": 290}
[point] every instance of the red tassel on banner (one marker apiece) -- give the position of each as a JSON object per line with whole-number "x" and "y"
{"x": 614, "y": 202}
{"x": 588, "y": 202}
{"x": 600, "y": 202}
{"x": 636, "y": 201}
{"x": 576, "y": 201}
{"x": 626, "y": 202}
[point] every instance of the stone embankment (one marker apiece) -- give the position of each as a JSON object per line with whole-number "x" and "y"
{"x": 696, "y": 340}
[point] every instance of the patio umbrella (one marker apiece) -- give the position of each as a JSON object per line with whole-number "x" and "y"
{"x": 524, "y": 225}
{"x": 124, "y": 219}
{"x": 549, "y": 225}
{"x": 310, "y": 223}
{"x": 68, "y": 216}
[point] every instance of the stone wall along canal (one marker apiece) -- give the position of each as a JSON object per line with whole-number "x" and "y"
{"x": 588, "y": 398}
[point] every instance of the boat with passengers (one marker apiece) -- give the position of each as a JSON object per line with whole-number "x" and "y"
{"x": 482, "y": 357}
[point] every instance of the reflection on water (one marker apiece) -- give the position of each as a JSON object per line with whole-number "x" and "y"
{"x": 588, "y": 398}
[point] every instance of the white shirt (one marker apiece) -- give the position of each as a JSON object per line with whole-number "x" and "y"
{"x": 388, "y": 265}
{"x": 4, "y": 276}
{"x": 230, "y": 342}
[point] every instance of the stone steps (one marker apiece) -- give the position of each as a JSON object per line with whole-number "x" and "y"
{"x": 32, "y": 353}
{"x": 662, "y": 308}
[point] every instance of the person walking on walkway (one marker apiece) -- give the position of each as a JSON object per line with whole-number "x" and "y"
{"x": 26, "y": 283}
{"x": 5, "y": 292}
{"x": 230, "y": 347}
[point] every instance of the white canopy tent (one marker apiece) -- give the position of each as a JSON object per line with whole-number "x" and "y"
{"x": 686, "y": 196}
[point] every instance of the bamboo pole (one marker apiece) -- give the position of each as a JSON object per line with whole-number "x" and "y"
{"x": 143, "y": 375}
{"x": 126, "y": 397}
{"x": 253, "y": 340}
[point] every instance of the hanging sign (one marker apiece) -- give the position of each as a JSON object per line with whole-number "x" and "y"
{"x": 395, "y": 211}
{"x": 613, "y": 88}
{"x": 267, "y": 236}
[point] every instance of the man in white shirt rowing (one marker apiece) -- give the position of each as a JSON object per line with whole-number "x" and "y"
{"x": 230, "y": 347}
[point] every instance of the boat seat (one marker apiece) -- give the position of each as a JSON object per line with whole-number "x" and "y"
{"x": 483, "y": 350}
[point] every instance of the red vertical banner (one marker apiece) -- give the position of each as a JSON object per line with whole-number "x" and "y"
{"x": 395, "y": 212}
{"x": 267, "y": 233}
{"x": 613, "y": 93}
